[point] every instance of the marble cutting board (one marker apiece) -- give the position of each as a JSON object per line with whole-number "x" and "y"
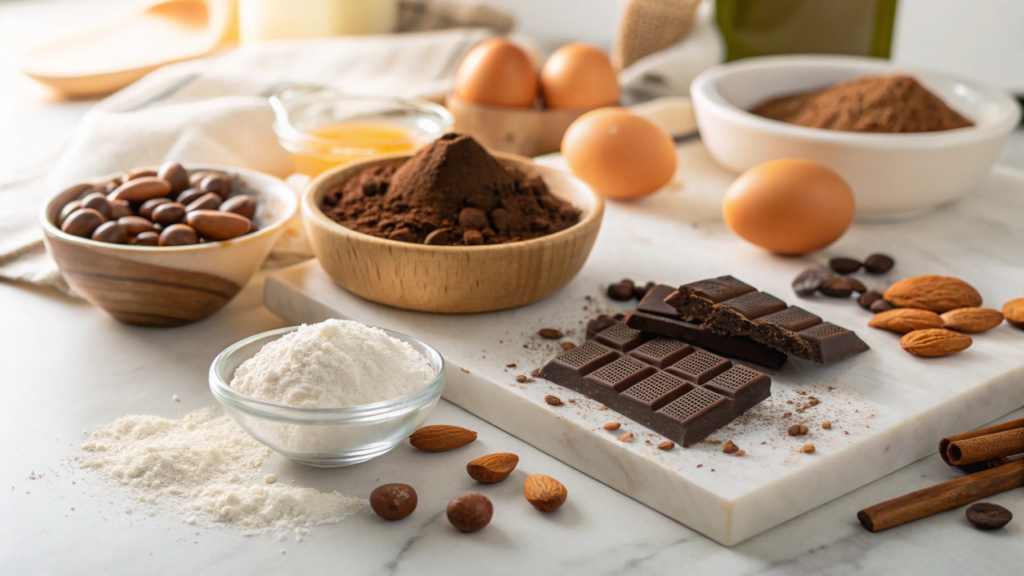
{"x": 886, "y": 407}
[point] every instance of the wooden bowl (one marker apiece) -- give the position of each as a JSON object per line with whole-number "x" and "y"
{"x": 452, "y": 279}
{"x": 523, "y": 131}
{"x": 169, "y": 286}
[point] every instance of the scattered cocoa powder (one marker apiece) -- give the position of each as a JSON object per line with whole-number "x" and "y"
{"x": 889, "y": 104}
{"x": 450, "y": 193}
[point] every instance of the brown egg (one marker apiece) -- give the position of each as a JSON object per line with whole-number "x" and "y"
{"x": 497, "y": 73}
{"x": 619, "y": 154}
{"x": 789, "y": 206}
{"x": 579, "y": 75}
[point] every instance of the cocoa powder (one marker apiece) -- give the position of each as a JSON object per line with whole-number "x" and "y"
{"x": 889, "y": 104}
{"x": 450, "y": 193}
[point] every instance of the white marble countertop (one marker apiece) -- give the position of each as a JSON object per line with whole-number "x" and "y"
{"x": 67, "y": 367}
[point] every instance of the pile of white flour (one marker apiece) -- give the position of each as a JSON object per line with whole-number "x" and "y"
{"x": 207, "y": 469}
{"x": 333, "y": 363}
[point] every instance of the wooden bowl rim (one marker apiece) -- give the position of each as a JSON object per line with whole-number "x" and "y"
{"x": 284, "y": 191}
{"x": 311, "y": 209}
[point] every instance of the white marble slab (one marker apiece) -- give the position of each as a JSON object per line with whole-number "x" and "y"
{"x": 887, "y": 407}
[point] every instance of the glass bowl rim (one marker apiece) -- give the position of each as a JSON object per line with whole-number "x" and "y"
{"x": 285, "y": 130}
{"x": 266, "y": 409}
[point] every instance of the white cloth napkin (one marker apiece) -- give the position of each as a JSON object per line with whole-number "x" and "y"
{"x": 215, "y": 110}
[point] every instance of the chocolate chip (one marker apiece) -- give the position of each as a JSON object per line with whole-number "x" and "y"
{"x": 880, "y": 305}
{"x": 868, "y": 298}
{"x": 550, "y": 333}
{"x": 988, "y": 516}
{"x": 836, "y": 287}
{"x": 809, "y": 281}
{"x": 473, "y": 218}
{"x": 622, "y": 291}
{"x": 640, "y": 291}
{"x": 844, "y": 265}
{"x": 879, "y": 263}
{"x": 473, "y": 238}
{"x": 402, "y": 235}
{"x": 439, "y": 237}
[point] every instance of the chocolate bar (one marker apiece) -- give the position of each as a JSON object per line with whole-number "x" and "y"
{"x": 654, "y": 315}
{"x": 728, "y": 306}
{"x": 677, "y": 390}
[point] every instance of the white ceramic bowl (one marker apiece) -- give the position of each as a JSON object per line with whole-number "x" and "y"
{"x": 893, "y": 176}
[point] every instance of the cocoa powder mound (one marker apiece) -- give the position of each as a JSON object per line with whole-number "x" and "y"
{"x": 450, "y": 193}
{"x": 887, "y": 104}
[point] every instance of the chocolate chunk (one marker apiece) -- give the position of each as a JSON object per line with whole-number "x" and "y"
{"x": 654, "y": 301}
{"x": 837, "y": 287}
{"x": 622, "y": 291}
{"x": 473, "y": 238}
{"x": 868, "y": 298}
{"x": 809, "y": 281}
{"x": 598, "y": 324}
{"x": 879, "y": 263}
{"x": 797, "y": 332}
{"x": 473, "y": 218}
{"x": 880, "y": 305}
{"x": 988, "y": 516}
{"x": 640, "y": 291}
{"x": 439, "y": 237}
{"x": 844, "y": 265}
{"x": 402, "y": 235}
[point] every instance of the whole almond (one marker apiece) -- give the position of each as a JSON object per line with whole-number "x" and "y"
{"x": 972, "y": 319}
{"x": 441, "y": 437}
{"x": 493, "y": 467}
{"x": 544, "y": 492}
{"x": 934, "y": 342}
{"x": 905, "y": 320}
{"x": 936, "y": 293}
{"x": 1013, "y": 311}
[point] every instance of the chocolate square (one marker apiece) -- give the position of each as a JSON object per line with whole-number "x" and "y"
{"x": 586, "y": 358}
{"x": 658, "y": 390}
{"x": 793, "y": 318}
{"x": 662, "y": 352}
{"x": 654, "y": 302}
{"x": 693, "y": 405}
{"x": 736, "y": 381}
{"x": 720, "y": 289}
{"x": 755, "y": 304}
{"x": 699, "y": 367}
{"x": 621, "y": 374}
{"x": 832, "y": 342}
{"x": 621, "y": 337}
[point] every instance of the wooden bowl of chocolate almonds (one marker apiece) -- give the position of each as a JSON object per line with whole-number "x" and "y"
{"x": 165, "y": 246}
{"x": 451, "y": 229}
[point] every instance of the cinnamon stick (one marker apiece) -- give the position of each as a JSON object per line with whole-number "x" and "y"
{"x": 987, "y": 447}
{"x": 942, "y": 497}
{"x": 945, "y": 443}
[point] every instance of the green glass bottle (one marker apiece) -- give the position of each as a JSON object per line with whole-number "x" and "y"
{"x": 763, "y": 27}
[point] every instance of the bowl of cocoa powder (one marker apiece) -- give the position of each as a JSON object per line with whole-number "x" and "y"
{"x": 451, "y": 229}
{"x": 905, "y": 139}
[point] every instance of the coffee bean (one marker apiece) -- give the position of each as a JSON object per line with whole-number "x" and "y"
{"x": 988, "y": 516}
{"x": 135, "y": 225}
{"x": 438, "y": 237}
{"x": 810, "y": 280}
{"x": 844, "y": 265}
{"x": 196, "y": 178}
{"x": 66, "y": 210}
{"x": 550, "y": 333}
{"x": 836, "y": 288}
{"x": 98, "y": 202}
{"x": 111, "y": 233}
{"x": 175, "y": 175}
{"x": 470, "y": 512}
{"x": 189, "y": 196}
{"x": 215, "y": 225}
{"x": 208, "y": 201}
{"x": 119, "y": 209}
{"x": 141, "y": 189}
{"x": 600, "y": 324}
{"x": 868, "y": 298}
{"x": 393, "y": 501}
{"x": 216, "y": 183}
{"x": 242, "y": 204}
{"x": 881, "y": 305}
{"x": 136, "y": 173}
{"x": 640, "y": 291}
{"x": 148, "y": 239}
{"x": 253, "y": 226}
{"x": 178, "y": 235}
{"x": 146, "y": 210}
{"x": 879, "y": 263}
{"x": 169, "y": 213}
{"x": 473, "y": 238}
{"x": 473, "y": 218}
{"x": 82, "y": 222}
{"x": 402, "y": 235}
{"x": 622, "y": 291}
{"x": 158, "y": 227}
{"x": 86, "y": 189}
{"x": 857, "y": 285}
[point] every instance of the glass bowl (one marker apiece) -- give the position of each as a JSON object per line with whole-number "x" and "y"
{"x": 325, "y": 437}
{"x": 321, "y": 128}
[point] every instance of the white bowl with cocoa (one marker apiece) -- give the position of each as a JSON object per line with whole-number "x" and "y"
{"x": 159, "y": 248}
{"x": 895, "y": 171}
